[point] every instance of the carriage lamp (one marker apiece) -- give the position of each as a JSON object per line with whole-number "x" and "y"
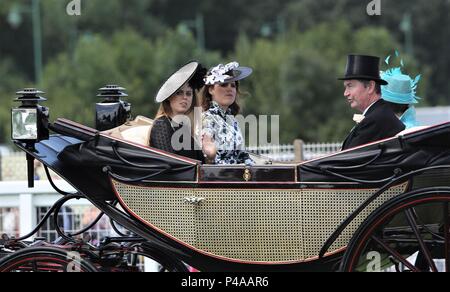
{"x": 30, "y": 120}
{"x": 112, "y": 112}
{"x": 29, "y": 124}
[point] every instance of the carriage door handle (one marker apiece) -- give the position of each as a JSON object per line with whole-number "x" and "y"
{"x": 194, "y": 200}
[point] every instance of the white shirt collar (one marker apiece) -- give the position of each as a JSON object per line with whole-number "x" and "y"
{"x": 367, "y": 109}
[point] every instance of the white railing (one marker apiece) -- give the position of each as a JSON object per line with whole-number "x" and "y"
{"x": 25, "y": 203}
{"x": 21, "y": 208}
{"x": 13, "y": 165}
{"x": 284, "y": 153}
{"x": 316, "y": 150}
{"x": 298, "y": 151}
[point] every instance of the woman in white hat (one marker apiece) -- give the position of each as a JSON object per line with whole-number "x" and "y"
{"x": 174, "y": 121}
{"x": 219, "y": 102}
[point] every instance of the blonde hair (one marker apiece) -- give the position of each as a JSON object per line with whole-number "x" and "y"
{"x": 165, "y": 109}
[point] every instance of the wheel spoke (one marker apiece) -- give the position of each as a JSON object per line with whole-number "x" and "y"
{"x": 426, "y": 252}
{"x": 34, "y": 266}
{"x": 395, "y": 254}
{"x": 134, "y": 260}
{"x": 447, "y": 236}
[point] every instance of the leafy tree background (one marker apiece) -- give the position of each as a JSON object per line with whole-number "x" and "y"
{"x": 297, "y": 48}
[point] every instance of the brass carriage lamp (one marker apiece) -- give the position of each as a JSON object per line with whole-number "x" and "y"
{"x": 112, "y": 112}
{"x": 29, "y": 124}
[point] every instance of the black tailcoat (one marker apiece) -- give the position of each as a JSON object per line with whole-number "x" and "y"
{"x": 380, "y": 122}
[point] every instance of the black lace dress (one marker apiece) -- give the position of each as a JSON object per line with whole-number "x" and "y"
{"x": 161, "y": 138}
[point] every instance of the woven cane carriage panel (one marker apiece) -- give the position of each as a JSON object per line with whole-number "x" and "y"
{"x": 251, "y": 225}
{"x": 324, "y": 211}
{"x": 163, "y": 208}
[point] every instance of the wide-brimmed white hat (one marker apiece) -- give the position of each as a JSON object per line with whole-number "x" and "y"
{"x": 192, "y": 71}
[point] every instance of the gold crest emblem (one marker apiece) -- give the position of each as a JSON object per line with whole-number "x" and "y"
{"x": 247, "y": 175}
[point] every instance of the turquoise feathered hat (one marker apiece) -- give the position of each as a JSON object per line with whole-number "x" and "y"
{"x": 401, "y": 88}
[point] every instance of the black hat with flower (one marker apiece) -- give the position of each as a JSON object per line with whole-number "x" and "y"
{"x": 228, "y": 73}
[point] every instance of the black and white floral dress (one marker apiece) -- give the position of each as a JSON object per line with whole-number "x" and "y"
{"x": 223, "y": 127}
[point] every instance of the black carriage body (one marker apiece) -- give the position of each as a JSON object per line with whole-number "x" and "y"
{"x": 238, "y": 218}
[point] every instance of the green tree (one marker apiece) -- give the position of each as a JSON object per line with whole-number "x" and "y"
{"x": 136, "y": 43}
{"x": 126, "y": 59}
{"x": 11, "y": 82}
{"x": 296, "y": 77}
{"x": 429, "y": 36}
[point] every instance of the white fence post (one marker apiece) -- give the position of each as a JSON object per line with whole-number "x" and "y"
{"x": 298, "y": 150}
{"x": 150, "y": 266}
{"x": 27, "y": 213}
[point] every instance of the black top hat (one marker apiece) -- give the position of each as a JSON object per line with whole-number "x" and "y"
{"x": 363, "y": 67}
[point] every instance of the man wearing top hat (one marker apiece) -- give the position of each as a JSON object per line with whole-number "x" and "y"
{"x": 362, "y": 84}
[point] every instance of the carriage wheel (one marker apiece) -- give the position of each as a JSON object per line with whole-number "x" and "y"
{"x": 45, "y": 260}
{"x": 410, "y": 233}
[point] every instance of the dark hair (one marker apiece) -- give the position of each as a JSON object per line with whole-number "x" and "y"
{"x": 206, "y": 99}
{"x": 367, "y": 83}
{"x": 399, "y": 109}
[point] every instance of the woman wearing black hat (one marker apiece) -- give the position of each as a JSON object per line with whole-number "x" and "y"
{"x": 362, "y": 84}
{"x": 174, "y": 121}
{"x": 219, "y": 102}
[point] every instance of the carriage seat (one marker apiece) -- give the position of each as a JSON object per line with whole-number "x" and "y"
{"x": 136, "y": 131}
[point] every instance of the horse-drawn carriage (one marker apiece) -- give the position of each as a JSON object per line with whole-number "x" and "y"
{"x": 382, "y": 206}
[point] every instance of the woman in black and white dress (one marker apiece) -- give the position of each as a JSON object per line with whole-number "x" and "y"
{"x": 219, "y": 100}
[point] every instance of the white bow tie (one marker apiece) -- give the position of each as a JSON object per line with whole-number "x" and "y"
{"x": 358, "y": 118}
